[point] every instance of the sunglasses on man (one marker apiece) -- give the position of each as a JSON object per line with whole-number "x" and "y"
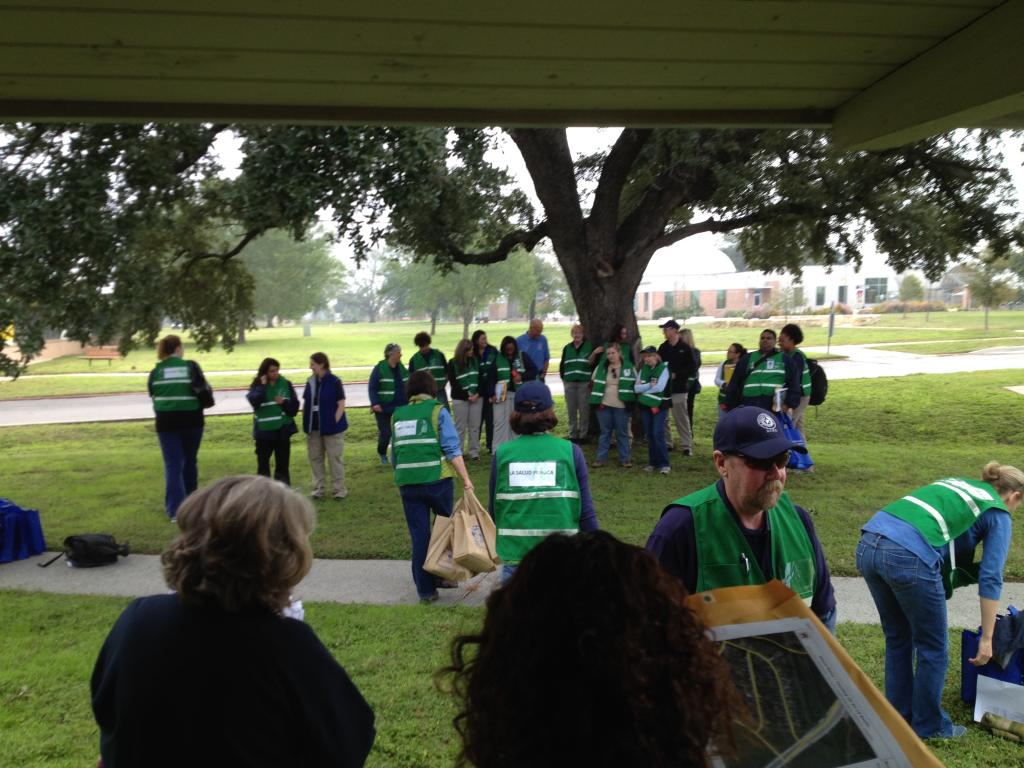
{"x": 765, "y": 465}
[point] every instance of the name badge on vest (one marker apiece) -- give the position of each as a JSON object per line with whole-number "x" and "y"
{"x": 531, "y": 473}
{"x": 769, "y": 364}
{"x": 406, "y": 428}
{"x": 178, "y": 372}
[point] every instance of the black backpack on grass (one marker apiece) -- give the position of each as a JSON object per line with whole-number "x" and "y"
{"x": 819, "y": 382}
{"x": 89, "y": 550}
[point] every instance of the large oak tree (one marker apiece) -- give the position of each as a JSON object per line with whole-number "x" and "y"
{"x": 103, "y": 229}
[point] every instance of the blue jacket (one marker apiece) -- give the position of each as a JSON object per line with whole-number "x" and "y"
{"x": 373, "y": 390}
{"x": 331, "y": 392}
{"x": 257, "y": 396}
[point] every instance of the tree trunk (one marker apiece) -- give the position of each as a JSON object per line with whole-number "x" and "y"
{"x": 986, "y": 317}
{"x": 270, "y": 321}
{"x": 433, "y": 320}
{"x": 601, "y": 302}
{"x": 466, "y": 319}
{"x": 241, "y": 332}
{"x": 533, "y": 308}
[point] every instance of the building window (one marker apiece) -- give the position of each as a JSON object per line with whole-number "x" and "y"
{"x": 647, "y": 302}
{"x": 757, "y": 297}
{"x": 842, "y": 294}
{"x": 720, "y": 299}
{"x": 874, "y": 290}
{"x": 819, "y": 295}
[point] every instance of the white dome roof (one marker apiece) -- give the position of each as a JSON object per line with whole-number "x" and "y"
{"x": 697, "y": 255}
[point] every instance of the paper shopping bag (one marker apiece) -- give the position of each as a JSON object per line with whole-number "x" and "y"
{"x": 439, "y": 552}
{"x": 469, "y": 542}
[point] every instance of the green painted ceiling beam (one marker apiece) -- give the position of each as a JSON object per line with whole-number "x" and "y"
{"x": 974, "y": 78}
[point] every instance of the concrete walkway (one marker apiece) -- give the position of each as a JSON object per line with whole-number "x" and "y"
{"x": 863, "y": 363}
{"x": 389, "y": 582}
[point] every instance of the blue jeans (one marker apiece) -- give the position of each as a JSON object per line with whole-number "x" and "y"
{"x": 654, "y": 428}
{"x": 418, "y": 502}
{"x": 912, "y": 606}
{"x": 617, "y": 420}
{"x": 181, "y": 466}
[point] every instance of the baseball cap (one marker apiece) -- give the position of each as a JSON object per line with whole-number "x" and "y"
{"x": 649, "y": 351}
{"x": 670, "y": 324}
{"x": 754, "y": 432}
{"x": 533, "y": 397}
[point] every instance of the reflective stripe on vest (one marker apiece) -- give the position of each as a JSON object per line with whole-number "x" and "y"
{"x": 415, "y": 437}
{"x": 805, "y": 374}
{"x": 270, "y": 416}
{"x": 946, "y": 508}
{"x": 575, "y": 366}
{"x": 656, "y": 399}
{"x": 536, "y": 493}
{"x": 766, "y": 374}
{"x": 467, "y": 377}
{"x": 172, "y": 386}
{"x": 724, "y": 557}
{"x": 435, "y": 364}
{"x": 386, "y": 384}
{"x": 627, "y": 378}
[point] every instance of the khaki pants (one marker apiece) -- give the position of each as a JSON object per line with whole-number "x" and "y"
{"x": 798, "y": 414}
{"x": 467, "y": 420}
{"x": 682, "y": 421}
{"x": 577, "y": 402}
{"x": 333, "y": 446}
{"x": 502, "y": 430}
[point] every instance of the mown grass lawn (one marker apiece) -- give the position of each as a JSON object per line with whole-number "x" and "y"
{"x": 873, "y": 440}
{"x": 957, "y": 347}
{"x": 50, "y": 642}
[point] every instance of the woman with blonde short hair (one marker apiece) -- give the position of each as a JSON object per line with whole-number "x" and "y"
{"x": 220, "y": 672}
{"x": 913, "y": 554}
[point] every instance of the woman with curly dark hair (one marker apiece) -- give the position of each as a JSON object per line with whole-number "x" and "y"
{"x": 588, "y": 656}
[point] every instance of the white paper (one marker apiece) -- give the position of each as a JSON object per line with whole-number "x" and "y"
{"x": 806, "y": 710}
{"x": 1000, "y": 698}
{"x": 532, "y": 474}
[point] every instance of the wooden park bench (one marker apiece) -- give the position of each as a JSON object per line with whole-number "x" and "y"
{"x": 100, "y": 353}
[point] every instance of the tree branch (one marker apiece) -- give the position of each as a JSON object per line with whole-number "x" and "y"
{"x": 617, "y": 165}
{"x": 189, "y": 156}
{"x": 226, "y": 256}
{"x": 716, "y": 226}
{"x": 526, "y": 238}
{"x": 549, "y": 161}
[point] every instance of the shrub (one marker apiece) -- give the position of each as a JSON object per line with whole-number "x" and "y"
{"x": 759, "y": 313}
{"x": 663, "y": 312}
{"x": 894, "y": 307}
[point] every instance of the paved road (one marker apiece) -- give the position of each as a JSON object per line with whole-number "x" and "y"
{"x": 863, "y": 363}
{"x": 388, "y": 582}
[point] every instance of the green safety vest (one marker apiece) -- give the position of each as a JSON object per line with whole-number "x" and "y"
{"x": 941, "y": 512}
{"x": 172, "y": 386}
{"x": 467, "y": 376}
{"x": 627, "y": 378}
{"x": 536, "y": 493}
{"x": 435, "y": 364}
{"x": 624, "y": 352}
{"x": 504, "y": 369}
{"x": 765, "y": 375}
{"x": 270, "y": 416}
{"x": 575, "y": 365}
{"x": 721, "y": 391}
{"x": 656, "y": 399}
{"x": 725, "y": 559}
{"x": 416, "y": 442}
{"x": 386, "y": 387}
{"x": 805, "y": 376}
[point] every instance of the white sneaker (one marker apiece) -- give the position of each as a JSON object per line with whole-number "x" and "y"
{"x": 665, "y": 470}
{"x": 648, "y": 468}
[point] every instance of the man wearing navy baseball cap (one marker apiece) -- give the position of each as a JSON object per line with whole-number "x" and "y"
{"x": 744, "y": 529}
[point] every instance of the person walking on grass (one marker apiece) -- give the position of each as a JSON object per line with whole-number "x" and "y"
{"x": 426, "y": 448}
{"x": 539, "y": 482}
{"x": 744, "y": 529}
{"x": 467, "y": 405}
{"x": 274, "y": 406}
{"x": 433, "y": 360}
{"x": 760, "y": 373}
{"x": 387, "y": 392}
{"x": 693, "y": 382}
{"x": 574, "y": 369}
{"x": 613, "y": 397}
{"x": 173, "y": 385}
{"x": 913, "y": 553}
{"x": 651, "y": 388}
{"x": 487, "y": 358}
{"x": 324, "y": 421}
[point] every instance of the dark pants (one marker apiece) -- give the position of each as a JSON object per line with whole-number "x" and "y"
{"x": 419, "y": 501}
{"x": 383, "y": 432}
{"x": 180, "y": 448}
{"x": 281, "y": 449}
{"x": 487, "y": 419}
{"x": 654, "y": 427}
